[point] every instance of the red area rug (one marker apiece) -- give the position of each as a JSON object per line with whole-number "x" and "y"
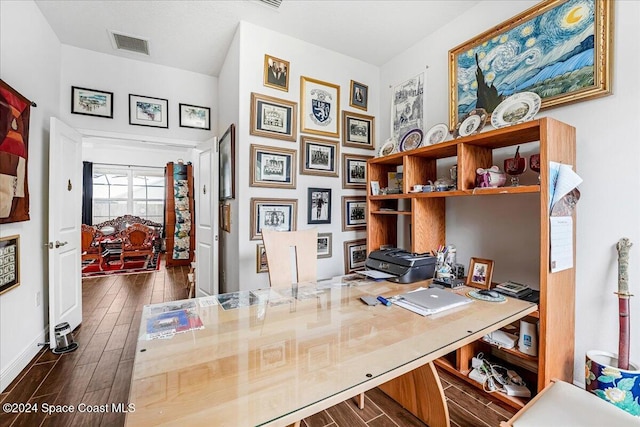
{"x": 131, "y": 266}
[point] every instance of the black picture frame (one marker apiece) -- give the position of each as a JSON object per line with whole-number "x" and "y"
{"x": 319, "y": 206}
{"x": 148, "y": 111}
{"x": 195, "y": 117}
{"x": 9, "y": 263}
{"x": 91, "y": 102}
{"x": 227, "y": 164}
{"x": 359, "y": 95}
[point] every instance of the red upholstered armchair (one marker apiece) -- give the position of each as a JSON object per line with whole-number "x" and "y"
{"x": 137, "y": 240}
{"x": 90, "y": 242}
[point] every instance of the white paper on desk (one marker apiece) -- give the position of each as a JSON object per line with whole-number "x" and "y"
{"x": 562, "y": 179}
{"x": 375, "y": 274}
{"x": 561, "y": 229}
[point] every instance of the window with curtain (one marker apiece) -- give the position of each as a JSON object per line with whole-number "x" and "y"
{"x": 121, "y": 190}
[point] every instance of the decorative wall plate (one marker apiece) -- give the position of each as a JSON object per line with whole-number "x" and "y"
{"x": 436, "y": 134}
{"x": 472, "y": 123}
{"x": 518, "y": 108}
{"x": 411, "y": 140}
{"x": 388, "y": 147}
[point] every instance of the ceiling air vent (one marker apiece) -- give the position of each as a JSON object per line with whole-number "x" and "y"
{"x": 130, "y": 43}
{"x": 272, "y": 3}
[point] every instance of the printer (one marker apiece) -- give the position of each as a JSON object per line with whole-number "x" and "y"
{"x": 406, "y": 267}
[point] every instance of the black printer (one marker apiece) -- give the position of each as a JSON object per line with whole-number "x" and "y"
{"x": 406, "y": 267}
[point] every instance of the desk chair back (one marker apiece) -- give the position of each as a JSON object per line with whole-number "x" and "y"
{"x": 278, "y": 244}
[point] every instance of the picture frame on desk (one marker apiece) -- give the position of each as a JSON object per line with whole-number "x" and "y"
{"x": 355, "y": 255}
{"x": 480, "y": 273}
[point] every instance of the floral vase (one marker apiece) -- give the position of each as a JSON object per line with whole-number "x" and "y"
{"x": 620, "y": 387}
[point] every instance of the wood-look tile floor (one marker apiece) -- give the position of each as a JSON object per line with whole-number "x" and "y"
{"x": 99, "y": 372}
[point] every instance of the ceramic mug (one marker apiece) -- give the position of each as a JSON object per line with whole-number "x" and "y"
{"x": 417, "y": 188}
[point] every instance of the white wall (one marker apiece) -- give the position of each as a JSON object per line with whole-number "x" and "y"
{"x": 607, "y": 153}
{"x": 305, "y": 60}
{"x": 93, "y": 70}
{"x": 30, "y": 63}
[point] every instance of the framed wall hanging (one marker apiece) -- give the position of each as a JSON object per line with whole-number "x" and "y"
{"x": 148, "y": 111}
{"x": 276, "y": 73}
{"x": 9, "y": 263}
{"x": 559, "y": 49}
{"x": 355, "y": 254}
{"x": 272, "y": 214}
{"x": 325, "y": 244}
{"x": 319, "y": 156}
{"x": 91, "y": 102}
{"x": 359, "y": 95}
{"x": 192, "y": 116}
{"x": 273, "y": 118}
{"x": 272, "y": 167}
{"x": 227, "y": 164}
{"x": 354, "y": 171}
{"x": 354, "y": 213}
{"x": 319, "y": 206}
{"x": 358, "y": 130}
{"x": 319, "y": 107}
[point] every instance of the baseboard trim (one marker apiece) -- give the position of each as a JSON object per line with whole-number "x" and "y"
{"x": 11, "y": 372}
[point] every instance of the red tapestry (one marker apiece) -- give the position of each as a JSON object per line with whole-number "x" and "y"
{"x": 14, "y": 144}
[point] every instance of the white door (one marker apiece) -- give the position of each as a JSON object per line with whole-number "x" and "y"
{"x": 206, "y": 221}
{"x": 65, "y": 217}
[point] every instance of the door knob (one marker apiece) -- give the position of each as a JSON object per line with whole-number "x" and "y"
{"x": 58, "y": 243}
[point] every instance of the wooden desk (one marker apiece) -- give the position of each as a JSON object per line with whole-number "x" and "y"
{"x": 276, "y": 364}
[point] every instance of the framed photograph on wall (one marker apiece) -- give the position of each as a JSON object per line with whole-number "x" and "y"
{"x": 354, "y": 171}
{"x": 227, "y": 164}
{"x": 148, "y": 111}
{"x": 273, "y": 117}
{"x": 325, "y": 243}
{"x": 359, "y": 95}
{"x": 320, "y": 107}
{"x": 9, "y": 263}
{"x": 276, "y": 73}
{"x": 91, "y": 102}
{"x": 225, "y": 217}
{"x": 355, "y": 254}
{"x": 192, "y": 116}
{"x": 261, "y": 259}
{"x": 574, "y": 66}
{"x": 272, "y": 167}
{"x": 358, "y": 130}
{"x": 319, "y": 156}
{"x": 354, "y": 213}
{"x": 480, "y": 272}
{"x": 272, "y": 214}
{"x": 319, "y": 206}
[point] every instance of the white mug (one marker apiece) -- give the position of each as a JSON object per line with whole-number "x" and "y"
{"x": 417, "y": 188}
{"x": 528, "y": 343}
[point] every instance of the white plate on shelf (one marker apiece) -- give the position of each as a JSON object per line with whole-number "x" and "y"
{"x": 387, "y": 148}
{"x": 518, "y": 108}
{"x": 472, "y": 123}
{"x": 411, "y": 140}
{"x": 436, "y": 134}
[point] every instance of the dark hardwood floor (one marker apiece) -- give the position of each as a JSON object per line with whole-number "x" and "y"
{"x": 99, "y": 372}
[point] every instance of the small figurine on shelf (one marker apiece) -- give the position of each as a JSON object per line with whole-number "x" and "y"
{"x": 490, "y": 177}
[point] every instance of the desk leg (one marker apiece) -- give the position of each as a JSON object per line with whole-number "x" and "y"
{"x": 421, "y": 393}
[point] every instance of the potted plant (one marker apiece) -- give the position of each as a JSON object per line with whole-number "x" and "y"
{"x": 611, "y": 376}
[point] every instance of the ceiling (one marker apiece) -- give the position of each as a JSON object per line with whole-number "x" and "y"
{"x": 195, "y": 35}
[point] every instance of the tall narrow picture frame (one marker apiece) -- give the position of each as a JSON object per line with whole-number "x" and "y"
{"x": 148, "y": 111}
{"x": 319, "y": 107}
{"x": 567, "y": 46}
{"x": 358, "y": 130}
{"x": 273, "y": 117}
{"x": 319, "y": 156}
{"x": 91, "y": 102}
{"x": 272, "y": 214}
{"x": 9, "y": 263}
{"x": 227, "y": 164}
{"x": 359, "y": 95}
{"x": 325, "y": 245}
{"x": 354, "y": 171}
{"x": 319, "y": 206}
{"x": 272, "y": 167}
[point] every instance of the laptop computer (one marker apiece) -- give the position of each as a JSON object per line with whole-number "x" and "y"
{"x": 435, "y": 300}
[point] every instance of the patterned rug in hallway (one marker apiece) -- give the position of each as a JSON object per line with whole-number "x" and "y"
{"x": 132, "y": 265}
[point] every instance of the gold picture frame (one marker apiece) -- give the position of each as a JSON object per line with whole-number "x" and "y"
{"x": 319, "y": 156}
{"x": 480, "y": 273}
{"x": 272, "y": 167}
{"x": 276, "y": 73}
{"x": 9, "y": 263}
{"x": 225, "y": 217}
{"x": 273, "y": 117}
{"x": 354, "y": 171}
{"x": 261, "y": 259}
{"x": 556, "y": 87}
{"x": 354, "y": 213}
{"x": 355, "y": 254}
{"x": 358, "y": 95}
{"x": 358, "y": 130}
{"x": 319, "y": 107}
{"x": 276, "y": 214}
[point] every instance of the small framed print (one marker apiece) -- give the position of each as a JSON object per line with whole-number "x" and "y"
{"x": 148, "y": 111}
{"x": 276, "y": 73}
{"x": 355, "y": 255}
{"x": 359, "y": 95}
{"x": 319, "y": 206}
{"x": 325, "y": 243}
{"x": 273, "y": 117}
{"x": 91, "y": 102}
{"x": 272, "y": 214}
{"x": 272, "y": 167}
{"x": 320, "y": 107}
{"x": 480, "y": 272}
{"x": 358, "y": 130}
{"x": 319, "y": 156}
{"x": 225, "y": 217}
{"x": 354, "y": 213}
{"x": 192, "y": 116}
{"x": 375, "y": 188}
{"x": 9, "y": 263}
{"x": 261, "y": 259}
{"x": 354, "y": 171}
